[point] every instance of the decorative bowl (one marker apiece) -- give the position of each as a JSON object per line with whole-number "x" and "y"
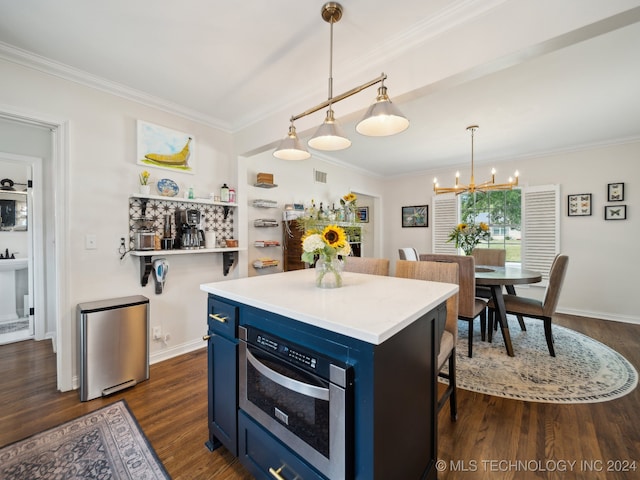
{"x": 167, "y": 188}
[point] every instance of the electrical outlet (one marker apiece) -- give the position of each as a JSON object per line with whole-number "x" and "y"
{"x": 157, "y": 333}
{"x": 122, "y": 242}
{"x": 90, "y": 242}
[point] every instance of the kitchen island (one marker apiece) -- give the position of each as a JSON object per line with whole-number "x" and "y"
{"x": 380, "y": 333}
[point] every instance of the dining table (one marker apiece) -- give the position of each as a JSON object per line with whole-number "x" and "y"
{"x": 495, "y": 278}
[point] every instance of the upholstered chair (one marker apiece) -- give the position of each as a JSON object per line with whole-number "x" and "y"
{"x": 448, "y": 273}
{"x": 469, "y": 306}
{"x": 408, "y": 254}
{"x": 372, "y": 266}
{"x": 494, "y": 257}
{"x": 532, "y": 308}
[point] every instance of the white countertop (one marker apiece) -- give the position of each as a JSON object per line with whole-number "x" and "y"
{"x": 370, "y": 308}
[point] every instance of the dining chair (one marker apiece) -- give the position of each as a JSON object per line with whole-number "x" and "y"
{"x": 539, "y": 309}
{"x": 495, "y": 257}
{"x": 372, "y": 266}
{"x": 448, "y": 273}
{"x": 408, "y": 254}
{"x": 469, "y": 306}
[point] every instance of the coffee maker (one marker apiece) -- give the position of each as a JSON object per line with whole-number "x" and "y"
{"x": 189, "y": 235}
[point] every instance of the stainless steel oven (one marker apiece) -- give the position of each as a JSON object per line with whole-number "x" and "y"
{"x": 303, "y": 398}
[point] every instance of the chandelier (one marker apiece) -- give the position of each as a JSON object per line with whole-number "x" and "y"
{"x": 382, "y": 118}
{"x": 472, "y": 187}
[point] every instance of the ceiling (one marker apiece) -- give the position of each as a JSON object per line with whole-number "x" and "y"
{"x": 535, "y": 78}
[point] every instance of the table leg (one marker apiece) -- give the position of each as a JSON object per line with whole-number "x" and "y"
{"x": 501, "y": 316}
{"x": 511, "y": 290}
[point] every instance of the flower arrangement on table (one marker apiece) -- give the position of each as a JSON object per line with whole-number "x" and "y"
{"x": 467, "y": 236}
{"x": 327, "y": 244}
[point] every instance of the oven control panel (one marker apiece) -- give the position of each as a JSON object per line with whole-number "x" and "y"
{"x": 286, "y": 350}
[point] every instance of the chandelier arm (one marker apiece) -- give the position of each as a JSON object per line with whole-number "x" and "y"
{"x": 340, "y": 97}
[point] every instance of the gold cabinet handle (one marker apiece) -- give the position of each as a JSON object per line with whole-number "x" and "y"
{"x": 206, "y": 337}
{"x": 217, "y": 317}
{"x": 276, "y": 473}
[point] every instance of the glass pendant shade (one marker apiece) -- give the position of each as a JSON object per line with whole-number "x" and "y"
{"x": 383, "y": 118}
{"x": 329, "y": 135}
{"x": 291, "y": 148}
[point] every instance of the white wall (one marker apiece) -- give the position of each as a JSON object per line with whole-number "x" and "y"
{"x": 603, "y": 259}
{"x": 102, "y": 172}
{"x": 296, "y": 184}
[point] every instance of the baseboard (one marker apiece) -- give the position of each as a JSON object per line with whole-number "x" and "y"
{"x": 170, "y": 352}
{"x": 600, "y": 315}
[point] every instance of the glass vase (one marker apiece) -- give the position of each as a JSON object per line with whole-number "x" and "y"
{"x": 329, "y": 272}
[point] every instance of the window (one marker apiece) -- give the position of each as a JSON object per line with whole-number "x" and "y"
{"x": 501, "y": 210}
{"x": 537, "y": 225}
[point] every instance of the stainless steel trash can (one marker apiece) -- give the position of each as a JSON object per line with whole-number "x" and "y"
{"x": 114, "y": 345}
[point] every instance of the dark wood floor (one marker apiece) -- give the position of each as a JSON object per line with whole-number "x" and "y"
{"x": 490, "y": 436}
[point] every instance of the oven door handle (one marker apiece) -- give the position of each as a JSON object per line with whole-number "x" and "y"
{"x": 289, "y": 383}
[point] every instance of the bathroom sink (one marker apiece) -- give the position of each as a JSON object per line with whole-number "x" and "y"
{"x": 10, "y": 264}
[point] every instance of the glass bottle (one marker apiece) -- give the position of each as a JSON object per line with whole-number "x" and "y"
{"x": 224, "y": 193}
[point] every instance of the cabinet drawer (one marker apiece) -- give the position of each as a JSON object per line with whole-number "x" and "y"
{"x": 259, "y": 451}
{"x": 222, "y": 317}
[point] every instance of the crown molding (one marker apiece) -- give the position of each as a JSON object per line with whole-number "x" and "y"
{"x": 42, "y": 64}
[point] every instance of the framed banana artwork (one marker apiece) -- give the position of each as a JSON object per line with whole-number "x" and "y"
{"x": 165, "y": 148}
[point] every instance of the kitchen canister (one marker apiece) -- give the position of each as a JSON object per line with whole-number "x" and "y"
{"x": 210, "y": 239}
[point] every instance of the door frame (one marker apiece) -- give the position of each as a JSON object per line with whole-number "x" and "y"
{"x": 56, "y": 244}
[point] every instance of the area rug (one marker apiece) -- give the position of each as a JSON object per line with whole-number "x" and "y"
{"x": 583, "y": 371}
{"x": 105, "y": 444}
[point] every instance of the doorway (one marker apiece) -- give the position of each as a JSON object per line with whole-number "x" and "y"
{"x": 17, "y": 314}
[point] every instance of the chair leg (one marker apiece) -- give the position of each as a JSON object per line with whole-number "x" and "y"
{"x": 470, "y": 350}
{"x": 453, "y": 400}
{"x": 491, "y": 321}
{"x": 512, "y": 291}
{"x": 483, "y": 324}
{"x": 549, "y": 336}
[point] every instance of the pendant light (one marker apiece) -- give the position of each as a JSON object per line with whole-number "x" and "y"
{"x": 382, "y": 118}
{"x": 291, "y": 148}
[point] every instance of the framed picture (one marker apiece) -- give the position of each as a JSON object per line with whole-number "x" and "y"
{"x": 416, "y": 216}
{"x": 363, "y": 214}
{"x": 615, "y": 192}
{"x": 615, "y": 212}
{"x": 165, "y": 148}
{"x": 579, "y": 205}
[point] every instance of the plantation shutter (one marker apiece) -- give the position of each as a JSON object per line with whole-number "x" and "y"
{"x": 445, "y": 218}
{"x": 540, "y": 228}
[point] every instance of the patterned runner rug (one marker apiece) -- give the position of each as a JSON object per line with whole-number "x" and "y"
{"x": 583, "y": 371}
{"x": 105, "y": 444}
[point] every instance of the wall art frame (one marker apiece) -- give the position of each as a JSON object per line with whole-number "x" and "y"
{"x": 615, "y": 212}
{"x": 363, "y": 214}
{"x": 415, "y": 216}
{"x": 165, "y": 148}
{"x": 615, "y": 192}
{"x": 579, "y": 205}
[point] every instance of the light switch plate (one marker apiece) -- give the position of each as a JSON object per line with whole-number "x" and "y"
{"x": 90, "y": 242}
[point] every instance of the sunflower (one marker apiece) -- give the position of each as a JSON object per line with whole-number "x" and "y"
{"x": 334, "y": 236}
{"x": 349, "y": 197}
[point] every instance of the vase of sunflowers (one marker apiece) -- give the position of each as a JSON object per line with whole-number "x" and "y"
{"x": 468, "y": 235}
{"x": 327, "y": 245}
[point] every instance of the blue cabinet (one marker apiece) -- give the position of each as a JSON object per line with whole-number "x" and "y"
{"x": 391, "y": 415}
{"x": 222, "y": 358}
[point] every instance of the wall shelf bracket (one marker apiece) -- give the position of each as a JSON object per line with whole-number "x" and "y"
{"x": 146, "y": 265}
{"x": 226, "y": 211}
{"x": 228, "y": 259}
